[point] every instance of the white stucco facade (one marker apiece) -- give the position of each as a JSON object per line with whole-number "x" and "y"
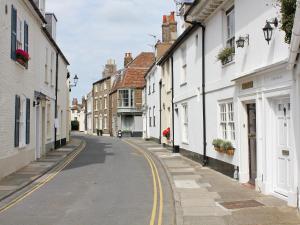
{"x": 152, "y": 94}
{"x": 256, "y": 85}
{"x": 35, "y": 115}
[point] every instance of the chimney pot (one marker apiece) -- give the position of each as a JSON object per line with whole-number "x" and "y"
{"x": 164, "y": 19}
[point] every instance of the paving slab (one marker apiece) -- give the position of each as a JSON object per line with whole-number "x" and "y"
{"x": 200, "y": 191}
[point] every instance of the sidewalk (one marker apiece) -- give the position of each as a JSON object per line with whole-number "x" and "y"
{"x": 27, "y": 175}
{"x": 206, "y": 197}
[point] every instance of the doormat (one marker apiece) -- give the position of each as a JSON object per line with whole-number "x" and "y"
{"x": 241, "y": 204}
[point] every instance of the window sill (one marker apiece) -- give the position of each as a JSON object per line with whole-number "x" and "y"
{"x": 20, "y": 65}
{"x": 228, "y": 64}
{"x": 183, "y": 84}
{"x": 184, "y": 143}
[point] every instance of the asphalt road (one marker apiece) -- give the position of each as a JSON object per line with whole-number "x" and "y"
{"x": 109, "y": 183}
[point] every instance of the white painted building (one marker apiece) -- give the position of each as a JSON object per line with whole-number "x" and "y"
{"x": 152, "y": 111}
{"x": 28, "y": 91}
{"x": 89, "y": 112}
{"x": 250, "y": 100}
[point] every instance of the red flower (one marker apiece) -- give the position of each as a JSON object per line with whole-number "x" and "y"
{"x": 21, "y": 54}
{"x": 166, "y": 133}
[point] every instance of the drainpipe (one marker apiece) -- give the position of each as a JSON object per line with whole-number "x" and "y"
{"x": 172, "y": 77}
{"x": 160, "y": 87}
{"x": 56, "y": 93}
{"x": 205, "y": 158}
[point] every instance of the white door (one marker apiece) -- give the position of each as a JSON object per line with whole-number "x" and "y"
{"x": 284, "y": 171}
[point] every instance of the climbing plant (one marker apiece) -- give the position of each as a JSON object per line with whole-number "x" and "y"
{"x": 288, "y": 9}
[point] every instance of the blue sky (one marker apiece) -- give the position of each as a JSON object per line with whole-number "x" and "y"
{"x": 91, "y": 31}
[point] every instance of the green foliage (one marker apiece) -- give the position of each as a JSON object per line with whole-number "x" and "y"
{"x": 74, "y": 125}
{"x": 225, "y": 54}
{"x": 288, "y": 9}
{"x": 226, "y": 145}
{"x": 217, "y": 143}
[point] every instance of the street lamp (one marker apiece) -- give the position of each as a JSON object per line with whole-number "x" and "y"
{"x": 240, "y": 43}
{"x": 268, "y": 29}
{"x": 75, "y": 81}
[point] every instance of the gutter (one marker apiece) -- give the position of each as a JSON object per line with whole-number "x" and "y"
{"x": 205, "y": 158}
{"x": 160, "y": 87}
{"x": 295, "y": 42}
{"x": 172, "y": 76}
{"x": 56, "y": 94}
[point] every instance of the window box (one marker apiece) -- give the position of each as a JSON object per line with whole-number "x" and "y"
{"x": 226, "y": 55}
{"x": 22, "y": 57}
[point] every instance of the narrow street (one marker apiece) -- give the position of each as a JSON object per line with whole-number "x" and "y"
{"x": 108, "y": 183}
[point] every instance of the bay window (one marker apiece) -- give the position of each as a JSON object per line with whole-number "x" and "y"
{"x": 126, "y": 98}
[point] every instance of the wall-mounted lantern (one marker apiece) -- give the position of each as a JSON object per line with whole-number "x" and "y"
{"x": 268, "y": 29}
{"x": 240, "y": 43}
{"x": 75, "y": 81}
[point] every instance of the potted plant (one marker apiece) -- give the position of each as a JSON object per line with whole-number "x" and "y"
{"x": 225, "y": 55}
{"x": 217, "y": 144}
{"x": 229, "y": 149}
{"x": 166, "y": 133}
{"x": 22, "y": 57}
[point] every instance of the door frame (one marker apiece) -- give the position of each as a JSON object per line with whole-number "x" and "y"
{"x": 249, "y": 150}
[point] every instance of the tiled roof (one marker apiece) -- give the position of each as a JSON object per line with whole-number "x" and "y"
{"x": 133, "y": 75}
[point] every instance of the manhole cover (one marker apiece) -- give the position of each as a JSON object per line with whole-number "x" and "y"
{"x": 241, "y": 204}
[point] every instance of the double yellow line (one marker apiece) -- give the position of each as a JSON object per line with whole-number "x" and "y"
{"x": 157, "y": 188}
{"x": 51, "y": 175}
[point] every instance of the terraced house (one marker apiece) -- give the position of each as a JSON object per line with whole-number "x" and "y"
{"x": 127, "y": 93}
{"x": 34, "y": 85}
{"x": 101, "y": 90}
{"x": 227, "y": 78}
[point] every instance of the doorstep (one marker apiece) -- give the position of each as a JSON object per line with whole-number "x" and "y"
{"x": 206, "y": 197}
{"x": 27, "y": 175}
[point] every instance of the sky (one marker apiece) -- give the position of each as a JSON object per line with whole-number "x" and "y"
{"x": 90, "y": 32}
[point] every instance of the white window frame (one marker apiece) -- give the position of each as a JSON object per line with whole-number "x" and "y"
{"x": 227, "y": 121}
{"x": 20, "y": 36}
{"x": 105, "y": 103}
{"x": 49, "y": 124}
{"x": 22, "y": 122}
{"x": 185, "y": 123}
{"x": 230, "y": 29}
{"x": 131, "y": 100}
{"x": 183, "y": 64}
{"x": 150, "y": 118}
{"x": 46, "y": 65}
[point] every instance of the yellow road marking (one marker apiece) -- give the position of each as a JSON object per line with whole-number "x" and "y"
{"x": 155, "y": 175}
{"x": 56, "y": 170}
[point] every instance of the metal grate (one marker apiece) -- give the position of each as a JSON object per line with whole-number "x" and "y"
{"x": 241, "y": 204}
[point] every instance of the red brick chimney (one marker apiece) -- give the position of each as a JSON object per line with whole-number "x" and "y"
{"x": 169, "y": 28}
{"x": 127, "y": 59}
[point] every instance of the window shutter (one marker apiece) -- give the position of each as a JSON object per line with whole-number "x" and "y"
{"x": 17, "y": 120}
{"x": 25, "y": 37}
{"x": 13, "y": 33}
{"x": 27, "y": 121}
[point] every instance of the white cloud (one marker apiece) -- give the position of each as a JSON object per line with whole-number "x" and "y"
{"x": 91, "y": 31}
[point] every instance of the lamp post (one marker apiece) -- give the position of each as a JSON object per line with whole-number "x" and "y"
{"x": 268, "y": 29}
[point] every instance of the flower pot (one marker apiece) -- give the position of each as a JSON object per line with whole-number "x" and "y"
{"x": 222, "y": 150}
{"x": 21, "y": 61}
{"x": 230, "y": 152}
{"x": 217, "y": 149}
